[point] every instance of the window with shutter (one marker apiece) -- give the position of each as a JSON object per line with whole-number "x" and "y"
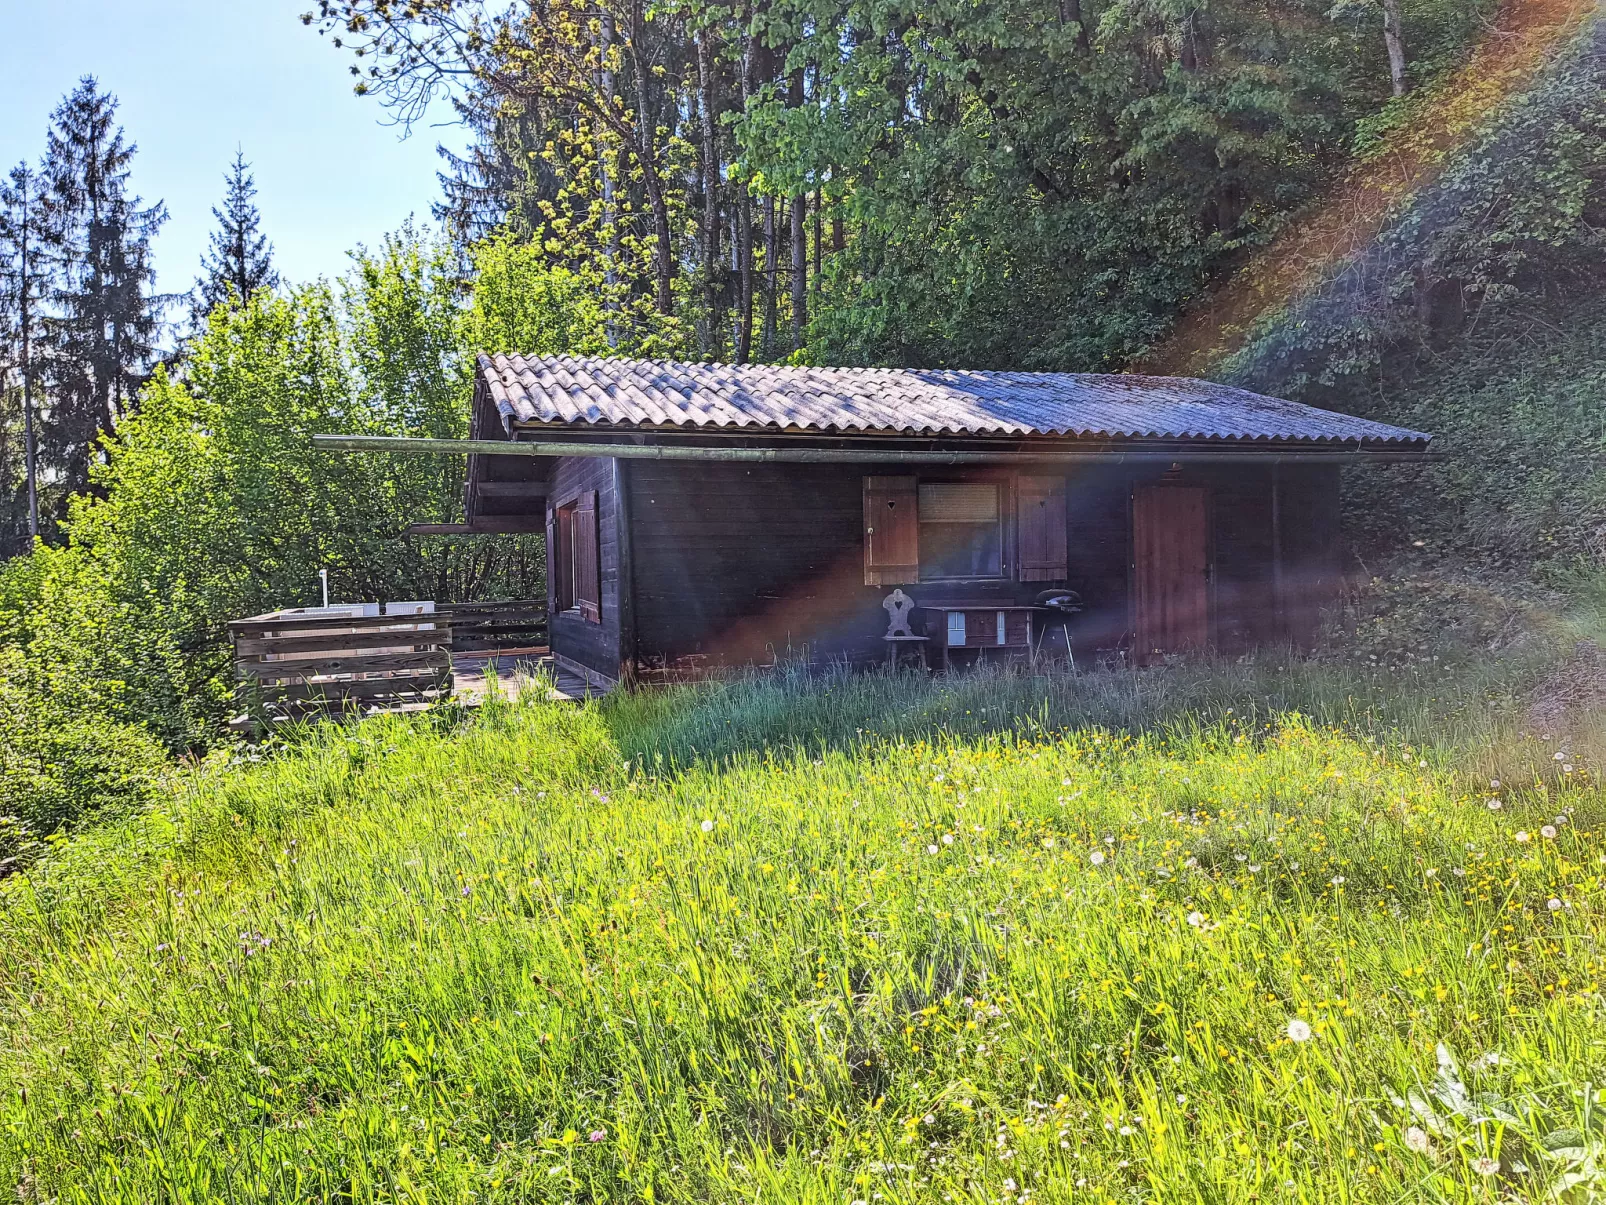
{"x": 561, "y": 536}
{"x": 587, "y": 559}
{"x": 891, "y": 531}
{"x": 1040, "y": 524}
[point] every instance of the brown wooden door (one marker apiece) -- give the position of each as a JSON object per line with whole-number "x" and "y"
{"x": 1172, "y": 569}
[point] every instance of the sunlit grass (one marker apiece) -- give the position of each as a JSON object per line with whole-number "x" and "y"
{"x": 1029, "y": 956}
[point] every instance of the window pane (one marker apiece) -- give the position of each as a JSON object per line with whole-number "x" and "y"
{"x": 958, "y": 502}
{"x": 961, "y": 550}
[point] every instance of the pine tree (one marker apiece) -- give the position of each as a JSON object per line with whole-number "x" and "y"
{"x": 241, "y": 259}
{"x": 501, "y": 179}
{"x": 25, "y": 259}
{"x": 105, "y": 317}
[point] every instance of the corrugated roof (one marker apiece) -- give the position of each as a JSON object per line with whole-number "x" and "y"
{"x": 574, "y": 392}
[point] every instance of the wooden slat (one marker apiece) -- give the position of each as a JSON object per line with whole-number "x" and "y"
{"x": 363, "y": 689}
{"x": 385, "y": 663}
{"x": 259, "y": 625}
{"x": 441, "y": 637}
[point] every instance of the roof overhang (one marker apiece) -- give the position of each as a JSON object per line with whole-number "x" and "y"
{"x": 808, "y": 448}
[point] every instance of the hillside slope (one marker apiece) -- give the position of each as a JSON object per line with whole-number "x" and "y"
{"x": 1423, "y": 138}
{"x": 1475, "y": 309}
{"x": 528, "y": 961}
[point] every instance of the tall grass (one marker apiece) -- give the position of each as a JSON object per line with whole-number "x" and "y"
{"x": 835, "y": 940}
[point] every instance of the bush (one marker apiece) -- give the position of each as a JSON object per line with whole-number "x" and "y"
{"x": 60, "y": 769}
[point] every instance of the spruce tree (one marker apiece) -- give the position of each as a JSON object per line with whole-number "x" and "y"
{"x": 25, "y": 259}
{"x": 241, "y": 259}
{"x": 105, "y": 317}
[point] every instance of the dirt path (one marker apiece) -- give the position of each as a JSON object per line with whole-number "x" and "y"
{"x": 1519, "y": 42}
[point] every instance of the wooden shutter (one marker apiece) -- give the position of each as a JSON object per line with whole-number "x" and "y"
{"x": 891, "y": 531}
{"x": 587, "y": 561}
{"x": 1040, "y": 524}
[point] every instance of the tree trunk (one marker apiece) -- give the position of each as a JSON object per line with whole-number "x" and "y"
{"x": 643, "y": 131}
{"x": 609, "y": 221}
{"x": 772, "y": 250}
{"x": 800, "y": 268}
{"x": 744, "y": 232}
{"x": 713, "y": 268}
{"x": 1396, "y": 46}
{"x": 819, "y": 218}
{"x": 800, "y": 235}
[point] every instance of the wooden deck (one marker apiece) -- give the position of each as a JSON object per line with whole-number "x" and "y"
{"x": 472, "y": 675}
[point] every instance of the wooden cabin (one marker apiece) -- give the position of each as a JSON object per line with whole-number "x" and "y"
{"x": 704, "y": 517}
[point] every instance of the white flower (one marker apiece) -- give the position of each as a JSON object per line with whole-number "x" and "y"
{"x": 1554, "y": 905}
{"x": 1494, "y": 784}
{"x": 1486, "y": 1166}
{"x": 1522, "y": 836}
{"x": 931, "y": 1119}
{"x": 1196, "y": 918}
{"x": 1495, "y": 805}
{"x": 1566, "y": 768}
{"x": 1559, "y": 757}
{"x": 1548, "y": 832}
{"x": 708, "y": 826}
{"x": 1096, "y": 857}
{"x": 931, "y": 849}
{"x": 1337, "y": 880}
{"x": 1298, "y": 1031}
{"x": 947, "y": 838}
{"x": 1416, "y": 1139}
{"x": 1048, "y": 842}
{"x": 1254, "y": 868}
{"x": 1191, "y": 862}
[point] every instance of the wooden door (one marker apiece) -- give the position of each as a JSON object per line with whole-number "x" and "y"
{"x": 1170, "y": 540}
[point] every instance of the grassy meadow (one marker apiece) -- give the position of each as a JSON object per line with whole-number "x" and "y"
{"x": 1256, "y": 933}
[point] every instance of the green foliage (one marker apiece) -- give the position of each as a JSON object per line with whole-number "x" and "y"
{"x": 61, "y": 767}
{"x": 528, "y": 961}
{"x": 1038, "y": 192}
{"x": 214, "y": 505}
{"x": 1479, "y": 314}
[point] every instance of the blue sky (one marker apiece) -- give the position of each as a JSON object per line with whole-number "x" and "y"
{"x": 198, "y": 78}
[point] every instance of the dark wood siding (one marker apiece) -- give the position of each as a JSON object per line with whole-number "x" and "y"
{"x": 746, "y": 564}
{"x": 593, "y": 645}
{"x": 738, "y": 564}
{"x": 1308, "y": 513}
{"x": 1244, "y": 595}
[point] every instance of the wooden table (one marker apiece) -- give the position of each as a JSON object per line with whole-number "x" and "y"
{"x": 980, "y": 626}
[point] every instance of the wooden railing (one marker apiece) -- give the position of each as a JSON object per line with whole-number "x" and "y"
{"x": 496, "y": 626}
{"x": 290, "y": 664}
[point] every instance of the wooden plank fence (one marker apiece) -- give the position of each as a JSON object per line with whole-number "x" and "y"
{"x": 289, "y": 664}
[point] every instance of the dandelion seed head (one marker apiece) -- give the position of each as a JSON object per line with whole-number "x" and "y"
{"x": 1299, "y": 1031}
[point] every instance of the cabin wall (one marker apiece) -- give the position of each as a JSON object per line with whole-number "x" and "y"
{"x": 595, "y": 646}
{"x": 738, "y": 564}
{"x": 749, "y": 564}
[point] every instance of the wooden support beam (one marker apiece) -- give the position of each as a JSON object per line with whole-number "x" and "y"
{"x": 535, "y": 490}
{"x": 485, "y": 525}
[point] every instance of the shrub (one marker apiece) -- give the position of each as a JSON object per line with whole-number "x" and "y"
{"x": 60, "y": 769}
